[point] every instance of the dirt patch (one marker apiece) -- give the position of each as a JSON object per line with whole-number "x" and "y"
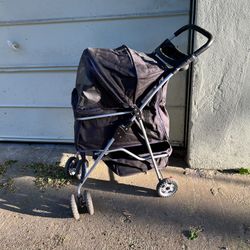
{"x": 5, "y": 165}
{"x": 49, "y": 175}
{"x": 204, "y": 173}
{"x": 6, "y": 183}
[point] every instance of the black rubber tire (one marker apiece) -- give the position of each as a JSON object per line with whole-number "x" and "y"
{"x": 88, "y": 202}
{"x": 74, "y": 207}
{"x": 71, "y": 165}
{"x": 81, "y": 169}
{"x": 167, "y": 187}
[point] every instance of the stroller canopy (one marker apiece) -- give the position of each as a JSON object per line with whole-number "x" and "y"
{"x": 113, "y": 79}
{"x": 109, "y": 81}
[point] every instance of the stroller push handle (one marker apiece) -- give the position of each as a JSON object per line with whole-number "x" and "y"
{"x": 200, "y": 30}
{"x": 168, "y": 56}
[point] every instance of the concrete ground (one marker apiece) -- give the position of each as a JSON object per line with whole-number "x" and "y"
{"x": 128, "y": 215}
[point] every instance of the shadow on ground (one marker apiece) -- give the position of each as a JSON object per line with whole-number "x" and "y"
{"x": 111, "y": 198}
{"x": 193, "y": 205}
{"x": 53, "y": 203}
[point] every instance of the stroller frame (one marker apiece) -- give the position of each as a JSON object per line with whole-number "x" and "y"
{"x": 166, "y": 187}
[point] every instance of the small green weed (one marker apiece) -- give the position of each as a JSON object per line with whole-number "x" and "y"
{"x": 3, "y": 167}
{"x": 194, "y": 233}
{"x": 9, "y": 162}
{"x": 244, "y": 171}
{"x": 49, "y": 175}
{"x": 8, "y": 185}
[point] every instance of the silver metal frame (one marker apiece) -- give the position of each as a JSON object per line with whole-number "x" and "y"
{"x": 158, "y": 173}
{"x": 156, "y": 155}
{"x": 94, "y": 166}
{"x": 102, "y": 116}
{"x": 139, "y": 122}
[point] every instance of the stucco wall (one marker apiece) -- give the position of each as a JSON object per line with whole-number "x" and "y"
{"x": 219, "y": 132}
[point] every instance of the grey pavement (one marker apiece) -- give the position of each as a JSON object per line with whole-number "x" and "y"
{"x": 128, "y": 214}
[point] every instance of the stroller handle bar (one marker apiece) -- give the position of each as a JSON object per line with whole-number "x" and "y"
{"x": 200, "y": 30}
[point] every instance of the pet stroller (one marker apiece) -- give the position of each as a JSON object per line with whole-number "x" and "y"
{"x": 119, "y": 105}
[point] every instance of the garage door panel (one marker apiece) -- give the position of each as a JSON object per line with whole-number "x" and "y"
{"x": 37, "y": 123}
{"x": 36, "y": 9}
{"x": 36, "y": 79}
{"x": 177, "y": 125}
{"x": 177, "y": 90}
{"x": 47, "y": 89}
{"x": 62, "y": 44}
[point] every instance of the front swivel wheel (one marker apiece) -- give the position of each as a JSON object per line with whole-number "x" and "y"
{"x": 74, "y": 207}
{"x": 88, "y": 202}
{"x": 166, "y": 187}
{"x": 83, "y": 203}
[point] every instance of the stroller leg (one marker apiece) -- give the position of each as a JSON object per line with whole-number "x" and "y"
{"x": 93, "y": 166}
{"x": 166, "y": 187}
{"x": 84, "y": 201}
{"x": 158, "y": 173}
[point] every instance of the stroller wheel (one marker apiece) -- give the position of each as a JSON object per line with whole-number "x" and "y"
{"x": 74, "y": 207}
{"x": 88, "y": 202}
{"x": 167, "y": 187}
{"x": 81, "y": 169}
{"x": 70, "y": 166}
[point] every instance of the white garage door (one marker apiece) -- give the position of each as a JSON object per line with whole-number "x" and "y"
{"x": 40, "y": 46}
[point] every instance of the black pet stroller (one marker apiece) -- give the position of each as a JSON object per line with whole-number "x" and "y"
{"x": 119, "y": 105}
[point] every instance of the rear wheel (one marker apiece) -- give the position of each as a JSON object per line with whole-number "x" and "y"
{"x": 70, "y": 166}
{"x": 167, "y": 187}
{"x": 81, "y": 167}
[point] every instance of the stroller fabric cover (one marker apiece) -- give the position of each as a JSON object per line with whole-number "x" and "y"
{"x": 114, "y": 80}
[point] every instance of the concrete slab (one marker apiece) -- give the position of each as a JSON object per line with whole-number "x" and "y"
{"x": 128, "y": 214}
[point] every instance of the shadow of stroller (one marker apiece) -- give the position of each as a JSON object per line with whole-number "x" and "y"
{"x": 54, "y": 203}
{"x": 115, "y": 187}
{"x": 29, "y": 200}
